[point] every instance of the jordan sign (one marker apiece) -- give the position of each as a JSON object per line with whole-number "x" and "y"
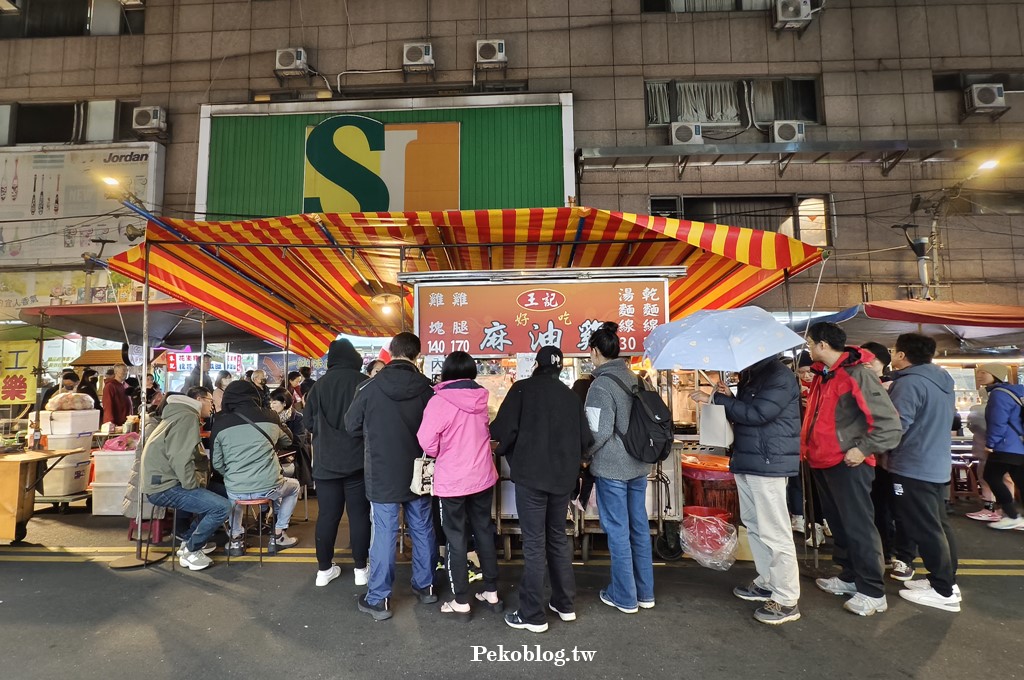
{"x": 359, "y": 164}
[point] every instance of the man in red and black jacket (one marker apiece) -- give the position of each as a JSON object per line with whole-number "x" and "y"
{"x": 849, "y": 419}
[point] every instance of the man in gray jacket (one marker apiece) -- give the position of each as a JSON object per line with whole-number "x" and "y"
{"x": 620, "y": 479}
{"x": 920, "y": 468}
{"x": 170, "y": 478}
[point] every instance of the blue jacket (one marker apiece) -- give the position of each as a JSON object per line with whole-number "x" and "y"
{"x": 923, "y": 396}
{"x": 1003, "y": 419}
{"x": 765, "y": 415}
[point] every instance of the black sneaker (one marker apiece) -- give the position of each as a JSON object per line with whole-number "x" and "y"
{"x": 426, "y": 595}
{"x": 236, "y": 547}
{"x": 901, "y": 571}
{"x": 752, "y": 593}
{"x": 515, "y": 621}
{"x": 380, "y": 611}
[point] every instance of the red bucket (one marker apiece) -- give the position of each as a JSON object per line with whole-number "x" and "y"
{"x": 702, "y": 511}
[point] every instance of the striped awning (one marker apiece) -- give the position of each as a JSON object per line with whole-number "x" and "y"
{"x": 303, "y": 279}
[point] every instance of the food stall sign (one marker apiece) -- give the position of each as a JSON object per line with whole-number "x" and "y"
{"x": 490, "y": 320}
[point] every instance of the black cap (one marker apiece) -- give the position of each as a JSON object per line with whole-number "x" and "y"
{"x": 549, "y": 355}
{"x": 804, "y": 359}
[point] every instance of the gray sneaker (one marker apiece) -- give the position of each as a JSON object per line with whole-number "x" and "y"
{"x": 752, "y": 593}
{"x": 773, "y": 613}
{"x": 862, "y": 605}
{"x": 836, "y": 586}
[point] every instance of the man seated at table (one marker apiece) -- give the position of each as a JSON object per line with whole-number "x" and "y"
{"x": 170, "y": 478}
{"x": 245, "y": 438}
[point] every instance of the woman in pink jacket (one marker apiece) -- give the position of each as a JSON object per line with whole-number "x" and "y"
{"x": 455, "y": 432}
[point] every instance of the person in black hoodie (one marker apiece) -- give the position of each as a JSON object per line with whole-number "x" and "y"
{"x": 542, "y": 430}
{"x": 90, "y": 379}
{"x": 386, "y": 413}
{"x": 338, "y": 466}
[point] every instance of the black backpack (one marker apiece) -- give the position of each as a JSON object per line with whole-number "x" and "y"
{"x": 648, "y": 438}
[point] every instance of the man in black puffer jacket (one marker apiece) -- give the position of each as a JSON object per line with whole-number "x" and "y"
{"x": 765, "y": 414}
{"x": 386, "y": 413}
{"x": 338, "y": 464}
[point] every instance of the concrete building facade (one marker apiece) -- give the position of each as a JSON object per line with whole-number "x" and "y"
{"x": 878, "y": 85}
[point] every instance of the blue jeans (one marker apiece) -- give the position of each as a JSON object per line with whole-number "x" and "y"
{"x": 211, "y": 509}
{"x": 623, "y": 512}
{"x": 285, "y": 496}
{"x": 383, "y": 541}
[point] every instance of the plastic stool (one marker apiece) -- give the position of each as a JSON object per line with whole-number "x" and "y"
{"x": 253, "y": 505}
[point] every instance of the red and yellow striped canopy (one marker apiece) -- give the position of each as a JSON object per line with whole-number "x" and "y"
{"x": 303, "y": 279}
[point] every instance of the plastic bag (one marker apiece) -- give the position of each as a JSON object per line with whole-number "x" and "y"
{"x": 70, "y": 401}
{"x": 709, "y": 540}
{"x": 124, "y": 442}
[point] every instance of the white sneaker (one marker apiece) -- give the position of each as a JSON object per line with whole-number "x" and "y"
{"x": 194, "y": 561}
{"x": 930, "y": 598}
{"x": 836, "y": 586}
{"x": 565, "y": 616}
{"x": 817, "y": 538}
{"x": 923, "y": 584}
{"x": 361, "y": 576}
{"x": 283, "y": 540}
{"x": 797, "y": 523}
{"x": 862, "y": 605}
{"x": 207, "y": 549}
{"x": 327, "y": 575}
{"x": 1008, "y": 523}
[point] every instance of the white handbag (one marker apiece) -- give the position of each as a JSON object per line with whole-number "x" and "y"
{"x": 715, "y": 428}
{"x": 422, "y": 476}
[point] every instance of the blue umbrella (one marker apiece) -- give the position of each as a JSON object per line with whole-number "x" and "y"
{"x": 723, "y": 340}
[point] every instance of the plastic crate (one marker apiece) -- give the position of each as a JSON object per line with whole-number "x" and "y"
{"x": 113, "y": 467}
{"x": 69, "y": 476}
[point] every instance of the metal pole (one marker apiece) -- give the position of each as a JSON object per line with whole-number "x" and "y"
{"x": 287, "y": 353}
{"x": 136, "y": 560}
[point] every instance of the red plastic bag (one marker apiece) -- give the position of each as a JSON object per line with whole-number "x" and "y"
{"x": 709, "y": 540}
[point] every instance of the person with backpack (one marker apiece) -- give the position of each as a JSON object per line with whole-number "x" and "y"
{"x": 765, "y": 414}
{"x": 1004, "y": 437}
{"x": 621, "y": 479}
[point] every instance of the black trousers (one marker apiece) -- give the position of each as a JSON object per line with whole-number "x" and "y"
{"x": 542, "y": 521}
{"x": 460, "y": 516}
{"x": 890, "y": 527}
{"x": 333, "y": 497}
{"x": 846, "y": 503}
{"x": 921, "y": 507}
{"x": 994, "y": 471}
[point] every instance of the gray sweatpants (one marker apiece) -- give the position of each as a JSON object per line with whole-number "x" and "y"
{"x": 764, "y": 512}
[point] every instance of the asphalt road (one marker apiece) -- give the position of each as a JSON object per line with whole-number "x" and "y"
{"x": 65, "y": 614}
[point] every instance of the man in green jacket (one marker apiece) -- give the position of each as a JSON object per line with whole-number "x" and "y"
{"x": 170, "y": 478}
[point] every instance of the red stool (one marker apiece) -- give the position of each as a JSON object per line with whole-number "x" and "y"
{"x": 254, "y": 506}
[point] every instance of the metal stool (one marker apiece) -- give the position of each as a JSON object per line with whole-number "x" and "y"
{"x": 254, "y": 506}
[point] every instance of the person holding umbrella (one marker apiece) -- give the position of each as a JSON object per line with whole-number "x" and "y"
{"x": 765, "y": 414}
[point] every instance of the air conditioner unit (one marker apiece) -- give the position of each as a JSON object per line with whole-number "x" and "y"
{"x": 149, "y": 120}
{"x": 984, "y": 97}
{"x": 133, "y": 4}
{"x": 10, "y": 6}
{"x": 291, "y": 61}
{"x": 687, "y": 133}
{"x": 792, "y": 15}
{"x": 788, "y": 131}
{"x": 418, "y": 56}
{"x": 491, "y": 53}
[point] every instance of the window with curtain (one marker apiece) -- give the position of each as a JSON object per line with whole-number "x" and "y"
{"x": 784, "y": 99}
{"x": 708, "y": 102}
{"x": 658, "y": 111}
{"x": 800, "y": 217}
{"x": 704, "y": 5}
{"x": 726, "y": 101}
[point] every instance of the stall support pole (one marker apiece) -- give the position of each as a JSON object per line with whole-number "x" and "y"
{"x": 137, "y": 560}
{"x": 287, "y": 353}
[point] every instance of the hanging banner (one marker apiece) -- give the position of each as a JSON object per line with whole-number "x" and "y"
{"x": 503, "y": 319}
{"x": 17, "y": 382}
